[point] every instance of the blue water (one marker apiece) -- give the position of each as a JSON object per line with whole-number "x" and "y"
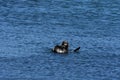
{"x": 30, "y": 28}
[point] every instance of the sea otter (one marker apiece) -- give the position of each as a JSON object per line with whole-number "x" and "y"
{"x": 63, "y": 48}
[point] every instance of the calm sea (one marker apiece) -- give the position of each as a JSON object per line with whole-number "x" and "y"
{"x": 29, "y": 29}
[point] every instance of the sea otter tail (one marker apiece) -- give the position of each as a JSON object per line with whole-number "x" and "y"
{"x": 76, "y": 49}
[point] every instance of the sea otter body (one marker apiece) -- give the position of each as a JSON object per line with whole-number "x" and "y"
{"x": 63, "y": 48}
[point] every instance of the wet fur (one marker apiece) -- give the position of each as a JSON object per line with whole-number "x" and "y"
{"x": 63, "y": 48}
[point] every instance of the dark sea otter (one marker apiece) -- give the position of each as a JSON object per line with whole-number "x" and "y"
{"x": 63, "y": 48}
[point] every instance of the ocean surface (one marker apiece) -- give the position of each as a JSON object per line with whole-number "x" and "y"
{"x": 29, "y": 29}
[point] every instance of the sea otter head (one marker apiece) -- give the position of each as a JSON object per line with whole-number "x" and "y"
{"x": 65, "y": 44}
